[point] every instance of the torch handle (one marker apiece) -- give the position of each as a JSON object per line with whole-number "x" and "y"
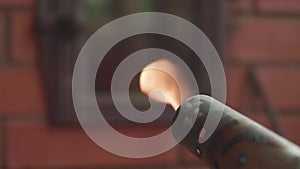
{"x": 238, "y": 142}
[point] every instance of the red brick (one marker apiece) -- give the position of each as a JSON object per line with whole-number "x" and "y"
{"x": 282, "y": 86}
{"x": 24, "y": 44}
{"x": 291, "y": 125}
{"x": 21, "y": 91}
{"x": 1, "y": 146}
{"x": 37, "y": 145}
{"x": 240, "y": 6}
{"x": 237, "y": 88}
{"x": 2, "y": 36}
{"x": 256, "y": 40}
{"x": 17, "y": 2}
{"x": 279, "y": 6}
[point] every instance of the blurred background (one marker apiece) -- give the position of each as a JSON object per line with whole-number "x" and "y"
{"x": 258, "y": 40}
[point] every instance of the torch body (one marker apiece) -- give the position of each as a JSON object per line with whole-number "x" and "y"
{"x": 238, "y": 142}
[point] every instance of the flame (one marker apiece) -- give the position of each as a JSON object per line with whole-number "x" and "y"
{"x": 160, "y": 76}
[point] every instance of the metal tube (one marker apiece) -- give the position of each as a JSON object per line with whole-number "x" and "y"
{"x": 238, "y": 142}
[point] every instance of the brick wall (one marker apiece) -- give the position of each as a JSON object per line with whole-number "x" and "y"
{"x": 263, "y": 34}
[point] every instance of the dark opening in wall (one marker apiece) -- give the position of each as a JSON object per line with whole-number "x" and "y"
{"x": 64, "y": 26}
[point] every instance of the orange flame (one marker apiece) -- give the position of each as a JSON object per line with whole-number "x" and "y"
{"x": 160, "y": 75}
